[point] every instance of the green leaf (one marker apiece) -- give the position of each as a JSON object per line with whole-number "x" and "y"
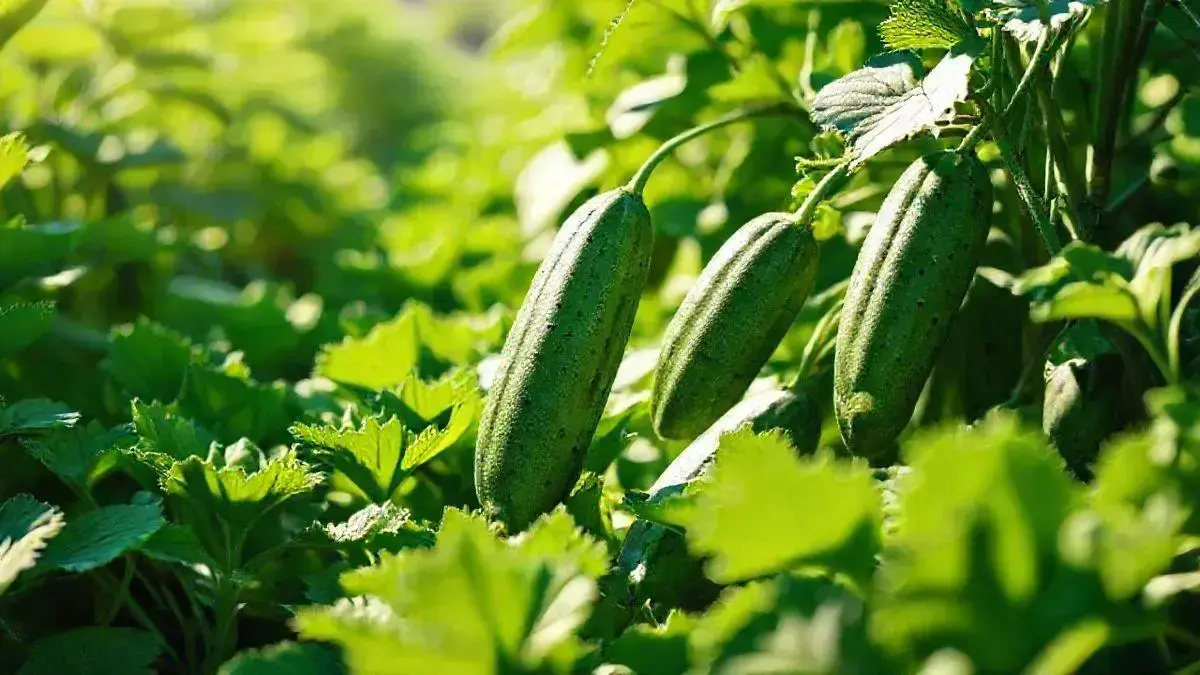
{"x": 221, "y": 504}
{"x": 78, "y": 455}
{"x": 96, "y": 538}
{"x": 468, "y": 605}
{"x": 880, "y": 105}
{"x": 176, "y": 544}
{"x": 385, "y": 357}
{"x": 14, "y": 150}
{"x": 148, "y": 360}
{"x": 285, "y": 658}
{"x": 22, "y": 324}
{"x": 375, "y": 457}
{"x": 1082, "y": 300}
{"x": 164, "y": 436}
{"x": 767, "y": 511}
{"x": 32, "y": 250}
{"x": 634, "y": 107}
{"x": 14, "y": 14}
{"x": 659, "y": 649}
{"x": 234, "y": 404}
{"x": 788, "y": 624}
{"x": 26, "y": 525}
{"x": 108, "y": 152}
{"x": 923, "y": 24}
{"x": 35, "y": 415}
{"x": 383, "y": 526}
{"x": 552, "y": 179}
{"x": 723, "y": 10}
{"x": 94, "y": 651}
{"x": 973, "y": 563}
{"x": 1023, "y": 18}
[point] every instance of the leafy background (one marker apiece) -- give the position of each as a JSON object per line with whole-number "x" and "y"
{"x": 258, "y": 257}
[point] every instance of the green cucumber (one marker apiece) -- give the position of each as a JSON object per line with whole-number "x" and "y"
{"x": 908, "y": 283}
{"x": 653, "y": 558}
{"x": 731, "y": 321}
{"x": 560, "y": 359}
{"x": 1082, "y": 407}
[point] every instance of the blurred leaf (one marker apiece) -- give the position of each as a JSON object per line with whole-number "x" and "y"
{"x": 880, "y": 105}
{"x": 148, "y": 360}
{"x": 32, "y": 250}
{"x": 978, "y": 524}
{"x": 788, "y": 624}
{"x": 470, "y": 604}
{"x": 285, "y": 658}
{"x": 14, "y": 150}
{"x": 96, "y": 538}
{"x": 634, "y": 107}
{"x": 93, "y": 651}
{"x": 551, "y": 180}
{"x": 236, "y": 406}
{"x": 26, "y": 525}
{"x": 14, "y": 14}
{"x": 22, "y": 324}
{"x": 822, "y": 513}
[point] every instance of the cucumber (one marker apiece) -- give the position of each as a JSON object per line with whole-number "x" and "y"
{"x": 653, "y": 558}
{"x": 731, "y": 321}
{"x": 908, "y": 283}
{"x": 560, "y": 359}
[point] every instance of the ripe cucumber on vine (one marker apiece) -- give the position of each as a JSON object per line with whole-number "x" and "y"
{"x": 561, "y": 356}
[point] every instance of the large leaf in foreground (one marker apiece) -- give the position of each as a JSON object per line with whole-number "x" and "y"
{"x": 766, "y": 511}
{"x": 474, "y": 604}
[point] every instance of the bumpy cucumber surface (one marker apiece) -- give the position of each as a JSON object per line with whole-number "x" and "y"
{"x": 914, "y": 269}
{"x": 560, "y": 359}
{"x": 731, "y": 321}
{"x": 655, "y": 559}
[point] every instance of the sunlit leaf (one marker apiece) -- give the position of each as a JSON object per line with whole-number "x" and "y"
{"x": 469, "y": 604}
{"x": 923, "y": 24}
{"x": 880, "y": 105}
{"x": 822, "y": 513}
{"x": 26, "y": 525}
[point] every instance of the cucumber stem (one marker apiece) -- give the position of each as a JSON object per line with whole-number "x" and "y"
{"x": 823, "y": 189}
{"x": 638, "y": 184}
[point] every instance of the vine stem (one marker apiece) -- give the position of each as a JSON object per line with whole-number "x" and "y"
{"x": 1037, "y": 61}
{"x": 823, "y": 189}
{"x": 637, "y": 184}
{"x": 1025, "y": 189}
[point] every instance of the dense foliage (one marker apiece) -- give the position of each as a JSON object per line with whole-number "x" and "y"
{"x": 258, "y": 260}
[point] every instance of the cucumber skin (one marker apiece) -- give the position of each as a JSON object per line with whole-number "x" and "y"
{"x": 560, "y": 359}
{"x": 730, "y": 323}
{"x": 910, "y": 279}
{"x": 655, "y": 559}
